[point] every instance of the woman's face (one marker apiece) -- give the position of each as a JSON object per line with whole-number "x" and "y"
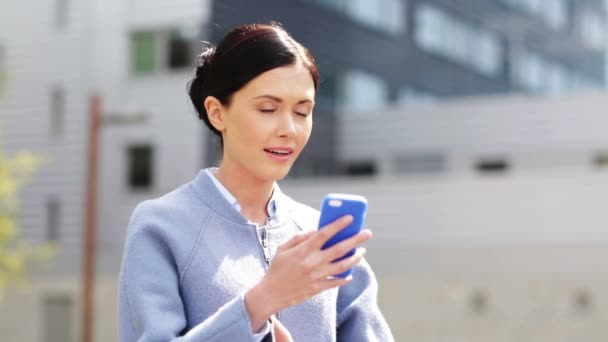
{"x": 269, "y": 121}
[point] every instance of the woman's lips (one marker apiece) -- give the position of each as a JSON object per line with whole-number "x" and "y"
{"x": 280, "y": 153}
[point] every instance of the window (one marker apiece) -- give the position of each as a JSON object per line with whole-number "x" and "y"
{"x": 329, "y": 87}
{"x": 420, "y": 163}
{"x": 159, "y": 51}
{"x": 362, "y": 91}
{"x": 539, "y": 74}
{"x": 360, "y": 168}
{"x": 528, "y": 71}
{"x": 337, "y": 5}
{"x": 61, "y": 13}
{"x": 144, "y": 53}
{"x": 57, "y": 111}
{"x": 408, "y": 97}
{"x": 492, "y": 165}
{"x": 553, "y": 12}
{"x": 3, "y": 72}
{"x": 583, "y": 301}
{"x": 140, "y": 166}
{"x": 386, "y": 15}
{"x": 383, "y": 14}
{"x": 180, "y": 49}
{"x": 591, "y": 28}
{"x": 58, "y": 318}
{"x": 601, "y": 161}
{"x": 479, "y": 302}
{"x": 53, "y": 220}
{"x": 488, "y": 52}
{"x": 443, "y": 34}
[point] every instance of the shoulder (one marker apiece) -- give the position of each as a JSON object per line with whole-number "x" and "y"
{"x": 174, "y": 218}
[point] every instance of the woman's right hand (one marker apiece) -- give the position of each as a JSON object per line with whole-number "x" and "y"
{"x": 300, "y": 270}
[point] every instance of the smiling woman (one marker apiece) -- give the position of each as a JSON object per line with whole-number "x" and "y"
{"x": 228, "y": 256}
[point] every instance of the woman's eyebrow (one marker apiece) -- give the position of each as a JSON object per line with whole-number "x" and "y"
{"x": 280, "y": 100}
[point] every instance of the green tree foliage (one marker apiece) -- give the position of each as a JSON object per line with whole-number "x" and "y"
{"x": 16, "y": 252}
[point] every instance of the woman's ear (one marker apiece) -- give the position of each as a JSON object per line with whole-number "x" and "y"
{"x": 215, "y": 112}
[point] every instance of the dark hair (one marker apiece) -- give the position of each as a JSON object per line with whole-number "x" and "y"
{"x": 244, "y": 53}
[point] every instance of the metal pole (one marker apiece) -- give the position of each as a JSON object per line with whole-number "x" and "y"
{"x": 90, "y": 231}
{"x": 605, "y": 22}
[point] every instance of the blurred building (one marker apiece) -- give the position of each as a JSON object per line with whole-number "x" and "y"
{"x": 487, "y": 211}
{"x": 137, "y": 56}
{"x": 393, "y": 52}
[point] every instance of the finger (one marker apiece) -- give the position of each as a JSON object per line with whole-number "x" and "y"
{"x": 281, "y": 333}
{"x": 328, "y": 231}
{"x": 340, "y": 249}
{"x": 296, "y": 240}
{"x": 340, "y": 266}
{"x": 330, "y": 283}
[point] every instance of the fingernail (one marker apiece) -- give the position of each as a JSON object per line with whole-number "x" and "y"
{"x": 348, "y": 218}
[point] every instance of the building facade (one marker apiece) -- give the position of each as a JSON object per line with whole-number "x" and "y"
{"x": 374, "y": 54}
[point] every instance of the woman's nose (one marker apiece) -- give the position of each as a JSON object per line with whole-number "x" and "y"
{"x": 287, "y": 127}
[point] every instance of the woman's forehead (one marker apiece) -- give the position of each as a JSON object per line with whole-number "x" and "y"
{"x": 289, "y": 82}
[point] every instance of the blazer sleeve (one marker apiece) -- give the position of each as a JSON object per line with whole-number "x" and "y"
{"x": 359, "y": 317}
{"x": 150, "y": 308}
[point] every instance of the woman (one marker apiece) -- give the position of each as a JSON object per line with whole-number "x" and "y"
{"x": 228, "y": 256}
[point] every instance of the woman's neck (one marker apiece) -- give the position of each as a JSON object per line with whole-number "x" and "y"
{"x": 252, "y": 193}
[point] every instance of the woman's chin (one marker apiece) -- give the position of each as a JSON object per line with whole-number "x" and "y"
{"x": 275, "y": 173}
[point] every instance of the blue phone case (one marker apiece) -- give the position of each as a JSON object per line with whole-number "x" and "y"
{"x": 333, "y": 207}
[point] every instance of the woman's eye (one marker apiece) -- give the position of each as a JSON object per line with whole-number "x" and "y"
{"x": 302, "y": 114}
{"x": 266, "y": 110}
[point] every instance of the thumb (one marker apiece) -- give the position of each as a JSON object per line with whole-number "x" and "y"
{"x": 281, "y": 334}
{"x": 295, "y": 240}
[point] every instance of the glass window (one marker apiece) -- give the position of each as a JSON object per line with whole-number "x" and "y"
{"x": 411, "y": 97}
{"x": 556, "y": 13}
{"x": 61, "y": 13}
{"x": 360, "y": 168}
{"x": 53, "y": 220}
{"x": 592, "y": 30}
{"x": 58, "y": 318}
{"x": 180, "y": 50}
{"x": 492, "y": 165}
{"x": 385, "y": 14}
{"x": 528, "y": 71}
{"x": 144, "y": 52}
{"x": 3, "y": 72}
{"x": 158, "y": 51}
{"x": 329, "y": 86}
{"x": 140, "y": 166}
{"x": 382, "y": 14}
{"x": 422, "y": 163}
{"x": 487, "y": 56}
{"x": 446, "y": 35}
{"x": 363, "y": 91}
{"x": 393, "y": 15}
{"x": 58, "y": 103}
{"x": 429, "y": 27}
{"x": 552, "y": 12}
{"x": 456, "y": 42}
{"x": 337, "y": 5}
{"x": 365, "y": 11}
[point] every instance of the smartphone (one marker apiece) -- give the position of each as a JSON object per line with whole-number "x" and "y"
{"x": 334, "y": 206}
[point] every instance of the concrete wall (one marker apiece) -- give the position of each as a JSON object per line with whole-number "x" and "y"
{"x": 420, "y": 306}
{"x": 533, "y": 133}
{"x": 22, "y": 311}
